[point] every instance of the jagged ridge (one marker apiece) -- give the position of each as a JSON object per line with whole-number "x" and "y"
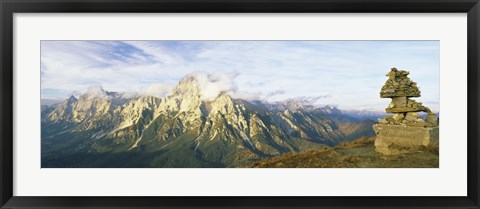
{"x": 184, "y": 131}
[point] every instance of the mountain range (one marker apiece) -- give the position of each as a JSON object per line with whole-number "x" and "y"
{"x": 110, "y": 129}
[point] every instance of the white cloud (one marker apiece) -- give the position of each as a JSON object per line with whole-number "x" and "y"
{"x": 213, "y": 84}
{"x": 251, "y": 96}
{"x": 159, "y": 53}
{"x": 96, "y": 91}
{"x": 351, "y": 72}
{"x": 156, "y": 90}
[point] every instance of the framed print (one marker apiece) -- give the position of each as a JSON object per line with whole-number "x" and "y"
{"x": 264, "y": 104}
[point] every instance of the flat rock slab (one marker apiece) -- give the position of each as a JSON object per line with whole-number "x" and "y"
{"x": 397, "y": 139}
{"x": 405, "y": 109}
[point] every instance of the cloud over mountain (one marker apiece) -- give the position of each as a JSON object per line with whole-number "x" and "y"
{"x": 156, "y": 90}
{"x": 275, "y": 70}
{"x": 213, "y": 84}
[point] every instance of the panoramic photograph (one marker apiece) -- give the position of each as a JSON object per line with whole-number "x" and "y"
{"x": 240, "y": 104}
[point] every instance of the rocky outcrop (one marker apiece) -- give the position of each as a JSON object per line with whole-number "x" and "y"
{"x": 395, "y": 139}
{"x": 405, "y": 130}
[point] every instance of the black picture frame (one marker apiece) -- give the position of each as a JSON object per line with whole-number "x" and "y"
{"x": 9, "y": 7}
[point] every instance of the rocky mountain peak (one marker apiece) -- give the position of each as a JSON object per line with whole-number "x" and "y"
{"x": 187, "y": 86}
{"x": 329, "y": 110}
{"x": 223, "y": 104}
{"x": 71, "y": 99}
{"x": 98, "y": 93}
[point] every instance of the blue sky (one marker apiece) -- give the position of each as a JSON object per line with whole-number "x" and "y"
{"x": 348, "y": 74}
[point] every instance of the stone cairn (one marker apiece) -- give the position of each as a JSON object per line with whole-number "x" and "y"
{"x": 400, "y": 88}
{"x": 405, "y": 129}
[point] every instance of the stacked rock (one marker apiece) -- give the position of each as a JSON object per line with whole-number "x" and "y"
{"x": 400, "y": 89}
{"x": 404, "y": 131}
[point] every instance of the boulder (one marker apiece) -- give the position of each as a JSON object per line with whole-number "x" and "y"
{"x": 432, "y": 118}
{"x": 412, "y": 116}
{"x": 397, "y": 139}
{"x": 398, "y": 117}
{"x": 382, "y": 121}
{"x": 405, "y": 109}
{"x": 399, "y": 102}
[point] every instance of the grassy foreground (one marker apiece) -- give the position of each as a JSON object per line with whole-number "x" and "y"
{"x": 357, "y": 154}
